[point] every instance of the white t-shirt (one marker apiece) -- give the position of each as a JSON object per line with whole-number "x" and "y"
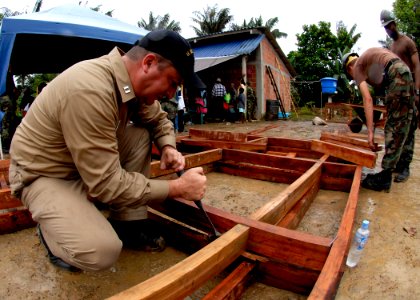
{"x": 181, "y": 103}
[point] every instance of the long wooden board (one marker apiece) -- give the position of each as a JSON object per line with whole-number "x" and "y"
{"x": 358, "y": 156}
{"x": 281, "y": 256}
{"x": 180, "y": 280}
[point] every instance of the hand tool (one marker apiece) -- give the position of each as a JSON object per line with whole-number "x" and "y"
{"x": 199, "y": 204}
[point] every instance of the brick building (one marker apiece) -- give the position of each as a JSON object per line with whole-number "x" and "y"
{"x": 245, "y": 54}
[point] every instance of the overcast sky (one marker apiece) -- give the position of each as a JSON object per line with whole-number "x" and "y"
{"x": 292, "y": 14}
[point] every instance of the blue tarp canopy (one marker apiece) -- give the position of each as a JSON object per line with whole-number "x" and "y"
{"x": 52, "y": 40}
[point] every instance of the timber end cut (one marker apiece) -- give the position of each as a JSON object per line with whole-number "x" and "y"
{"x": 349, "y": 153}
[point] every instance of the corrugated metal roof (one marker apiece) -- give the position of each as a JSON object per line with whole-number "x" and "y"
{"x": 202, "y": 63}
{"x": 229, "y": 48}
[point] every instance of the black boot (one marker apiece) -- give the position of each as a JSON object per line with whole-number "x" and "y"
{"x": 402, "y": 174}
{"x": 54, "y": 259}
{"x": 139, "y": 235}
{"x": 378, "y": 182}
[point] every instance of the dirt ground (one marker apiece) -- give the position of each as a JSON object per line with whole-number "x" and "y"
{"x": 389, "y": 268}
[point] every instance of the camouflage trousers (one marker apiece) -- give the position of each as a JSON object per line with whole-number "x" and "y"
{"x": 251, "y": 105}
{"x": 401, "y": 122}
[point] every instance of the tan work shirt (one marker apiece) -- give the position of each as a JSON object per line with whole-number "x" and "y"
{"x": 72, "y": 131}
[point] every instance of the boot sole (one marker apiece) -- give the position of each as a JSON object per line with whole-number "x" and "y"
{"x": 368, "y": 187}
{"x": 400, "y": 180}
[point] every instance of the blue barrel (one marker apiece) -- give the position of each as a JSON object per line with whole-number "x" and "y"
{"x": 328, "y": 85}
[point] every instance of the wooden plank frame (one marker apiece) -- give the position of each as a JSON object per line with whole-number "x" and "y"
{"x": 264, "y": 246}
{"x": 281, "y": 256}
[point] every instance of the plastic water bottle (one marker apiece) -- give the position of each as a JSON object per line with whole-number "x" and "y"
{"x": 358, "y": 244}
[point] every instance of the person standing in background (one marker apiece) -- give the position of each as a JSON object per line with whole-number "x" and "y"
{"x": 251, "y": 103}
{"x": 200, "y": 105}
{"x": 181, "y": 110}
{"x": 217, "y": 96}
{"x": 241, "y": 105}
{"x": 170, "y": 106}
{"x": 406, "y": 49}
{"x": 41, "y": 86}
{"x": 26, "y": 102}
{"x": 231, "y": 113}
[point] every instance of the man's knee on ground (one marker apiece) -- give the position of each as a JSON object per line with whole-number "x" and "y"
{"x": 98, "y": 254}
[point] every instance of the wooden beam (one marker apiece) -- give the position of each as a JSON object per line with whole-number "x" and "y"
{"x": 293, "y": 218}
{"x": 258, "y": 172}
{"x": 182, "y": 279}
{"x": 358, "y": 156}
{"x": 272, "y": 161}
{"x": 7, "y": 200}
{"x": 191, "y": 161}
{"x": 235, "y": 284}
{"x": 217, "y": 135}
{"x": 330, "y": 137}
{"x": 297, "y": 248}
{"x": 327, "y": 282}
{"x": 262, "y": 140}
{"x": 289, "y": 143}
{"x": 277, "y": 208}
{"x": 4, "y": 168}
{"x": 225, "y": 144}
{"x": 15, "y": 219}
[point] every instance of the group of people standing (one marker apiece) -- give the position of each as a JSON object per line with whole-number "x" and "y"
{"x": 233, "y": 104}
{"x": 397, "y": 73}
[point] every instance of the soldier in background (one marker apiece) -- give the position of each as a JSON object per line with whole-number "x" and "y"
{"x": 406, "y": 49}
{"x": 7, "y": 123}
{"x": 170, "y": 106}
{"x": 379, "y": 67}
{"x": 251, "y": 103}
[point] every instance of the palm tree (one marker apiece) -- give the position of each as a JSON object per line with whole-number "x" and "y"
{"x": 258, "y": 22}
{"x": 98, "y": 9}
{"x": 386, "y": 43}
{"x": 347, "y": 38}
{"x": 211, "y": 20}
{"x": 159, "y": 22}
{"x": 6, "y": 12}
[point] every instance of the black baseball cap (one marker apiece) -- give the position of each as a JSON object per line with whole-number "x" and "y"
{"x": 175, "y": 48}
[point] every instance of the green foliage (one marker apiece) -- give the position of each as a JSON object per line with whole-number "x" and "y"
{"x": 407, "y": 13}
{"x": 386, "y": 43}
{"x": 33, "y": 80}
{"x": 304, "y": 113}
{"x": 158, "y": 22}
{"x": 318, "y": 56}
{"x": 6, "y": 12}
{"x": 258, "y": 22}
{"x": 98, "y": 9}
{"x": 211, "y": 20}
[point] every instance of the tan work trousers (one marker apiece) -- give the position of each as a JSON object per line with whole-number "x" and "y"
{"x": 73, "y": 228}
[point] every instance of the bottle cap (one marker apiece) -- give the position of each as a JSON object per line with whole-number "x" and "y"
{"x": 365, "y": 224}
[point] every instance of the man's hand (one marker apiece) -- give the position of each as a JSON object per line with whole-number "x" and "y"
{"x": 190, "y": 186}
{"x": 171, "y": 159}
{"x": 371, "y": 141}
